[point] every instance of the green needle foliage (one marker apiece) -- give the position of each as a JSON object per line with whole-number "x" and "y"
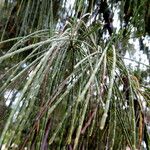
{"x": 68, "y": 87}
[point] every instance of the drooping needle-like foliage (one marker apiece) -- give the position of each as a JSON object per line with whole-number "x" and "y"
{"x": 67, "y": 85}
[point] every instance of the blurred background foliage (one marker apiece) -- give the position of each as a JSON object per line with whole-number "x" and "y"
{"x": 74, "y": 74}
